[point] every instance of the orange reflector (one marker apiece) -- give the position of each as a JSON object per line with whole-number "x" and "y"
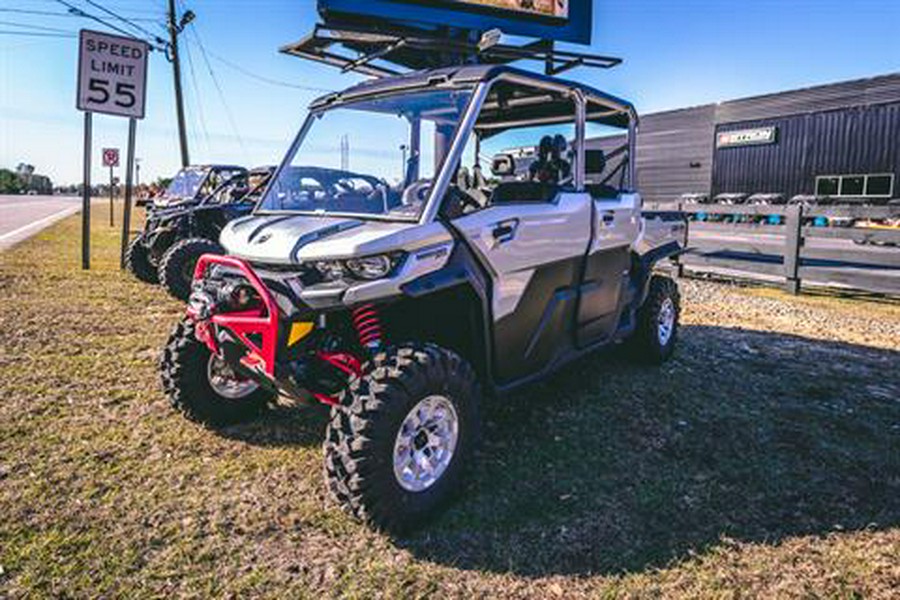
{"x": 299, "y": 331}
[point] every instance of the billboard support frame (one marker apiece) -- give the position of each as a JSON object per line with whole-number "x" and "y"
{"x": 372, "y": 45}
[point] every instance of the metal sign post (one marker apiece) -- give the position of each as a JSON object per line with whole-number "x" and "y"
{"x": 112, "y": 79}
{"x": 129, "y": 171}
{"x": 86, "y": 195}
{"x": 111, "y": 160}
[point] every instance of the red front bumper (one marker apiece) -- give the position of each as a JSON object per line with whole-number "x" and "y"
{"x": 262, "y": 323}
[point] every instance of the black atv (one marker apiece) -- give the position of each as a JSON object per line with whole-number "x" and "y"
{"x": 185, "y": 223}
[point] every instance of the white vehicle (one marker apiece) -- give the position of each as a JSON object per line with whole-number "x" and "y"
{"x": 404, "y": 292}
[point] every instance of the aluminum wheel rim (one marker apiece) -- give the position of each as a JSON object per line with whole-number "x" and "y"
{"x": 425, "y": 443}
{"x": 665, "y": 322}
{"x": 225, "y": 382}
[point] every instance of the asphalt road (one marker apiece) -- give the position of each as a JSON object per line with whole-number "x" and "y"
{"x": 24, "y": 216}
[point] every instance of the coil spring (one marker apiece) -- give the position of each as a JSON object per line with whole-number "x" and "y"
{"x": 368, "y": 325}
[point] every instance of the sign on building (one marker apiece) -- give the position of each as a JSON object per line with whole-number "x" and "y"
{"x": 112, "y": 74}
{"x": 747, "y": 137}
{"x": 110, "y": 157}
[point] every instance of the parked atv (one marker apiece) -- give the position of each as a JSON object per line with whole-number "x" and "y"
{"x": 401, "y": 298}
{"x": 178, "y": 231}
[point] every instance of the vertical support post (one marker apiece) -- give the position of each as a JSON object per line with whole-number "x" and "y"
{"x": 580, "y": 135}
{"x": 679, "y": 265}
{"x": 111, "y": 188}
{"x": 129, "y": 171}
{"x": 793, "y": 241}
{"x": 86, "y": 195}
{"x": 415, "y": 150}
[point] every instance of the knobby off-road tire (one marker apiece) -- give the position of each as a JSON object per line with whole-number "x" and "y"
{"x": 137, "y": 260}
{"x": 176, "y": 269}
{"x": 185, "y": 370}
{"x": 363, "y": 431}
{"x": 657, "y": 323}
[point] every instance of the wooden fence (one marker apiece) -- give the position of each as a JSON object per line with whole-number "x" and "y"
{"x": 743, "y": 241}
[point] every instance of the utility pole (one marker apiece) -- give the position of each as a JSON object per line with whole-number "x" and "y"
{"x": 175, "y": 27}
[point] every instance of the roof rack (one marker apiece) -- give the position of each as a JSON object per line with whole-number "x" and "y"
{"x": 365, "y": 49}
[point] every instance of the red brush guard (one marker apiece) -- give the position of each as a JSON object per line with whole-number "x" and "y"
{"x": 261, "y": 322}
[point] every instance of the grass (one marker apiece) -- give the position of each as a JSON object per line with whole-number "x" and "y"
{"x": 762, "y": 461}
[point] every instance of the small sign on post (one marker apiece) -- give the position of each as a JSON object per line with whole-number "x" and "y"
{"x": 111, "y": 160}
{"x": 112, "y": 79}
{"x": 110, "y": 157}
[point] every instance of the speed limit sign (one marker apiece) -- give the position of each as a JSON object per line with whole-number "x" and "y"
{"x": 112, "y": 74}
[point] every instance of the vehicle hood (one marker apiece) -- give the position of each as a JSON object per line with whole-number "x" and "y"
{"x": 295, "y": 239}
{"x": 172, "y": 201}
{"x": 163, "y": 213}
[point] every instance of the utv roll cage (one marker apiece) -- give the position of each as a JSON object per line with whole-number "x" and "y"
{"x": 503, "y": 97}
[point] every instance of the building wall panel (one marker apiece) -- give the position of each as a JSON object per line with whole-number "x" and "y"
{"x": 856, "y": 140}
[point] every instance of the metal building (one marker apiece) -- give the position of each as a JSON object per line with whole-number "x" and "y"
{"x": 840, "y": 140}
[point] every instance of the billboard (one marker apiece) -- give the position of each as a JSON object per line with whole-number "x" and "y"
{"x": 558, "y": 9}
{"x": 556, "y": 20}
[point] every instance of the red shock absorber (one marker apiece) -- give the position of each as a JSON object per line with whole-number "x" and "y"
{"x": 368, "y": 325}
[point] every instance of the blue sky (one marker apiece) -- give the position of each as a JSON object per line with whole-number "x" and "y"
{"x": 676, "y": 54}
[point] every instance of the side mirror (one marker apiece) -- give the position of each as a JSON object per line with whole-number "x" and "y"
{"x": 503, "y": 165}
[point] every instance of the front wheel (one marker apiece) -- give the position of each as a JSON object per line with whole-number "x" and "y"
{"x": 203, "y": 387}
{"x": 137, "y": 260}
{"x": 398, "y": 447}
{"x": 653, "y": 341}
{"x": 176, "y": 269}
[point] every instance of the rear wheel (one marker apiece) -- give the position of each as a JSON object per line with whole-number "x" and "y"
{"x": 657, "y": 322}
{"x": 398, "y": 447}
{"x": 203, "y": 387}
{"x": 137, "y": 260}
{"x": 176, "y": 269}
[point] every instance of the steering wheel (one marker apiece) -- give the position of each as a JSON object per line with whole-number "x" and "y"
{"x": 468, "y": 201}
{"x": 416, "y": 192}
{"x": 456, "y": 203}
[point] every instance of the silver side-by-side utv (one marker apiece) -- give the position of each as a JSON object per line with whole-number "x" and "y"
{"x": 387, "y": 273}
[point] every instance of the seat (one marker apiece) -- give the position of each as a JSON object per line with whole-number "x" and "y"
{"x": 517, "y": 192}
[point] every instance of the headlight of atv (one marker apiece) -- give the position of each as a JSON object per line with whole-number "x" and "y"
{"x": 367, "y": 268}
{"x": 331, "y": 270}
{"x": 370, "y": 267}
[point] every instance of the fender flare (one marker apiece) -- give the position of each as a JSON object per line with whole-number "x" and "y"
{"x": 646, "y": 262}
{"x": 462, "y": 269}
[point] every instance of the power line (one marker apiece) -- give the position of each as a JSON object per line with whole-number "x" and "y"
{"x": 38, "y": 34}
{"x": 81, "y": 13}
{"x": 215, "y": 80}
{"x": 53, "y": 13}
{"x": 265, "y": 79}
{"x": 36, "y": 27}
{"x": 140, "y": 28}
{"x": 198, "y": 103}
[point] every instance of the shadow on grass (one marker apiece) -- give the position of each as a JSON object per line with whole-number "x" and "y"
{"x": 608, "y": 467}
{"x": 283, "y": 426}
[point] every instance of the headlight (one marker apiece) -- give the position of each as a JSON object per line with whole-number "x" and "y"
{"x": 331, "y": 270}
{"x": 370, "y": 267}
{"x": 367, "y": 268}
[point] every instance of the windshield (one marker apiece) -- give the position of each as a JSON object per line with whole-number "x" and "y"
{"x": 186, "y": 183}
{"x": 373, "y": 157}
